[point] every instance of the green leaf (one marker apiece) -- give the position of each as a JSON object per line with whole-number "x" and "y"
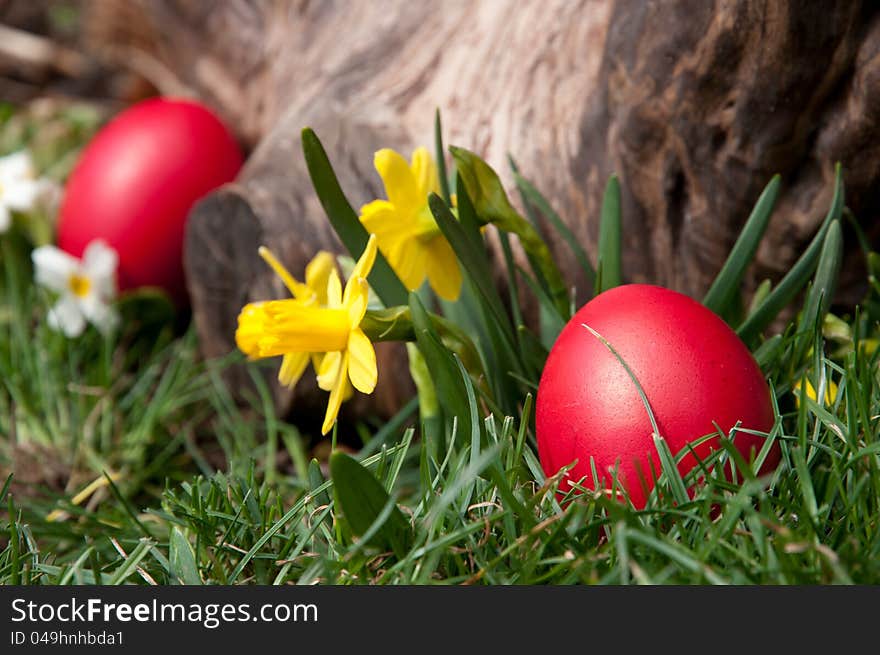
{"x": 768, "y": 351}
{"x": 447, "y": 380}
{"x": 441, "y": 159}
{"x": 535, "y": 353}
{"x": 424, "y": 381}
{"x": 722, "y": 293}
{"x": 345, "y": 220}
{"x": 471, "y": 252}
{"x": 797, "y": 277}
{"x": 364, "y": 502}
{"x": 492, "y": 205}
{"x": 760, "y": 295}
{"x": 501, "y": 351}
{"x": 610, "y": 272}
{"x": 535, "y": 198}
{"x": 182, "y": 558}
{"x": 822, "y": 291}
{"x": 552, "y": 321}
{"x": 5, "y": 488}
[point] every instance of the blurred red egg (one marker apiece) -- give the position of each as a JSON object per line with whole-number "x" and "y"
{"x": 693, "y": 368}
{"x": 136, "y": 181}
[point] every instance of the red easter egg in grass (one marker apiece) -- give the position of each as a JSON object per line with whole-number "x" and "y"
{"x": 135, "y": 182}
{"x": 693, "y": 368}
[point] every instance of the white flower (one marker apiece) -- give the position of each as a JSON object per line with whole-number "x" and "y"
{"x": 87, "y": 286}
{"x": 20, "y": 190}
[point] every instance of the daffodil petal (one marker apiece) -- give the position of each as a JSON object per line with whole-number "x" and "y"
{"x": 334, "y": 290}
{"x": 425, "y": 172}
{"x": 348, "y": 392}
{"x": 297, "y": 289}
{"x": 365, "y": 262}
{"x": 381, "y": 218}
{"x": 361, "y": 362}
{"x": 444, "y": 273}
{"x": 336, "y": 395}
{"x": 329, "y": 370}
{"x": 408, "y": 259}
{"x": 318, "y": 274}
{"x": 292, "y": 367}
{"x": 357, "y": 296}
{"x": 397, "y": 176}
{"x": 53, "y": 267}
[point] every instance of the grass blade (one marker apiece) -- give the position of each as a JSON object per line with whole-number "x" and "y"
{"x": 797, "y": 277}
{"x": 610, "y": 272}
{"x": 727, "y": 283}
{"x": 536, "y": 199}
{"x": 440, "y": 154}
{"x": 471, "y": 253}
{"x": 442, "y": 364}
{"x": 821, "y": 293}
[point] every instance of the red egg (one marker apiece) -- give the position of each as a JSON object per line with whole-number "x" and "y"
{"x": 693, "y": 368}
{"x": 136, "y": 181}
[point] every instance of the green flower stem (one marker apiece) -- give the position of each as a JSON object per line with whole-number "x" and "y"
{"x": 429, "y": 407}
{"x": 395, "y": 324}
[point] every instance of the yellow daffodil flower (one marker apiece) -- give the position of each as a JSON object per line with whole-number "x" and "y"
{"x": 408, "y": 235}
{"x": 298, "y": 327}
{"x": 313, "y": 292}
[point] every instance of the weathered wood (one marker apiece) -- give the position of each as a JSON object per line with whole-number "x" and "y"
{"x": 695, "y": 105}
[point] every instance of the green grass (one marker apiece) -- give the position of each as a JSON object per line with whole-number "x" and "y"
{"x": 482, "y": 513}
{"x": 196, "y": 487}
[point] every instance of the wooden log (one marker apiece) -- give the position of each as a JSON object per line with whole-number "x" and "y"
{"x": 695, "y": 105}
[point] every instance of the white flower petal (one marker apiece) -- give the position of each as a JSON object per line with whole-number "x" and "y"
{"x": 99, "y": 313}
{"x": 99, "y": 264}
{"x": 53, "y": 267}
{"x": 17, "y": 166}
{"x": 21, "y": 195}
{"x": 67, "y": 316}
{"x": 5, "y": 218}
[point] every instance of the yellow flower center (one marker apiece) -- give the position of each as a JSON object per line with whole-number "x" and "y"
{"x": 79, "y": 285}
